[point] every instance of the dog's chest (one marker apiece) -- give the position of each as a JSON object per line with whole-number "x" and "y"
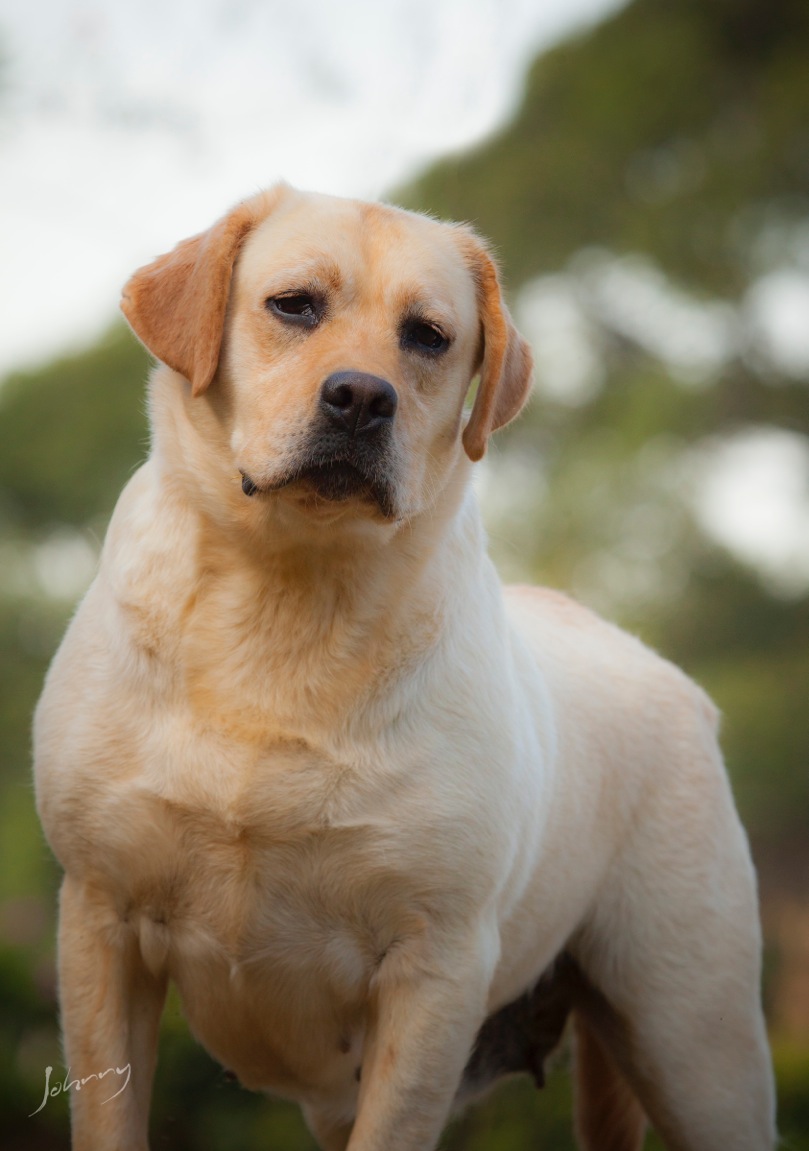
{"x": 271, "y": 905}
{"x": 270, "y": 854}
{"x": 237, "y": 835}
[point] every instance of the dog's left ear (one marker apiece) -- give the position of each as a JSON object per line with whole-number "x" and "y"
{"x": 176, "y": 305}
{"x": 506, "y": 367}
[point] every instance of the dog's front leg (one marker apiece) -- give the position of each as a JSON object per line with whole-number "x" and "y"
{"x": 422, "y": 1031}
{"x": 111, "y": 1007}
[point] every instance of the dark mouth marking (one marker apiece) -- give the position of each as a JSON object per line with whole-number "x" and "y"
{"x": 337, "y": 473}
{"x": 341, "y": 479}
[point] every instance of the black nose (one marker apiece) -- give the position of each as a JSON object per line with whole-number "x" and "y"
{"x": 357, "y": 402}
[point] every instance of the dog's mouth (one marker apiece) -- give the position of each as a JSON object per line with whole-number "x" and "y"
{"x": 334, "y": 480}
{"x": 337, "y": 480}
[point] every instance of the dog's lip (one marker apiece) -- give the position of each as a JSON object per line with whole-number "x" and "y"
{"x": 329, "y": 469}
{"x": 332, "y": 480}
{"x": 249, "y": 486}
{"x": 307, "y": 473}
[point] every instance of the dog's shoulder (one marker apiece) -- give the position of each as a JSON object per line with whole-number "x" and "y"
{"x": 111, "y": 662}
{"x": 598, "y": 668}
{"x": 635, "y": 738}
{"x": 150, "y": 561}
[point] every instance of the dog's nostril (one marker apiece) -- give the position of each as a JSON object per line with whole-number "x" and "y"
{"x": 342, "y": 397}
{"x": 248, "y": 487}
{"x": 383, "y": 405}
{"x": 357, "y": 402}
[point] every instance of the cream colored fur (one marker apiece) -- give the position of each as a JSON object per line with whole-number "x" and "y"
{"x": 314, "y": 764}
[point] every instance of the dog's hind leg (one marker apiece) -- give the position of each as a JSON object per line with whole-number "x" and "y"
{"x": 330, "y": 1134}
{"x": 608, "y": 1114}
{"x": 673, "y": 948}
{"x": 702, "y": 1077}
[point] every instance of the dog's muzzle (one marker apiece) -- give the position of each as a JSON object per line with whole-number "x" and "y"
{"x": 348, "y": 451}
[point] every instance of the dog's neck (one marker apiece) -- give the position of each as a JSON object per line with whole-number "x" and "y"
{"x": 333, "y": 615}
{"x": 334, "y": 625}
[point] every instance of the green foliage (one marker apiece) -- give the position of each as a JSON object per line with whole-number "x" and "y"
{"x": 72, "y": 433}
{"x": 792, "y": 1076}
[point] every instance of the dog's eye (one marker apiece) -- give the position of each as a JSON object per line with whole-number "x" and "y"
{"x": 424, "y": 337}
{"x": 300, "y": 307}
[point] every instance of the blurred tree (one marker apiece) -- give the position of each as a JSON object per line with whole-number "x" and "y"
{"x": 73, "y": 432}
{"x": 677, "y": 129}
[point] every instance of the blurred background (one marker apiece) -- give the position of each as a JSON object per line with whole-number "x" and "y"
{"x": 643, "y": 171}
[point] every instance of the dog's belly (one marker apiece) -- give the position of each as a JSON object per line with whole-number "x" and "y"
{"x": 285, "y": 1012}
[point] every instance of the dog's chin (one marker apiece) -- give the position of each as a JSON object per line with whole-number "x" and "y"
{"x": 339, "y": 486}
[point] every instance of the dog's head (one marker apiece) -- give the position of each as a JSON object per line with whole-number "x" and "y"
{"x": 331, "y": 344}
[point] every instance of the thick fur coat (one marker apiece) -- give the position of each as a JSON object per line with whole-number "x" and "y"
{"x": 382, "y": 821}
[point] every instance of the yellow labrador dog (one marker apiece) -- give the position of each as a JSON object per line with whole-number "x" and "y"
{"x": 384, "y": 822}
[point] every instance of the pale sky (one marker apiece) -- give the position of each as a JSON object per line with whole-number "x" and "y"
{"x": 126, "y": 125}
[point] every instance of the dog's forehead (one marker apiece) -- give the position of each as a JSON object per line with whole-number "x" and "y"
{"x": 367, "y": 247}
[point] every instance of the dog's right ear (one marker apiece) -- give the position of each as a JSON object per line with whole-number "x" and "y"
{"x": 176, "y": 305}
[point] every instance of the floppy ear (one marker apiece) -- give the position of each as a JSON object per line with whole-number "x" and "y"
{"x": 176, "y": 305}
{"x": 507, "y": 364}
